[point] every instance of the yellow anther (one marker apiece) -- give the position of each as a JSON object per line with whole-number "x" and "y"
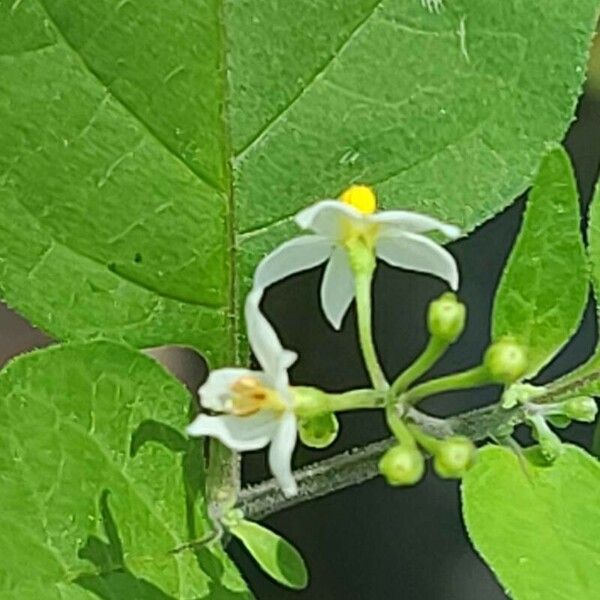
{"x": 361, "y": 197}
{"x": 249, "y": 395}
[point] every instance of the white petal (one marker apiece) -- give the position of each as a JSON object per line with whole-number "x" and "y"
{"x": 337, "y": 288}
{"x": 326, "y": 217}
{"x": 280, "y": 379}
{"x": 271, "y": 355}
{"x": 401, "y": 220}
{"x": 280, "y": 453}
{"x": 216, "y": 390}
{"x": 238, "y": 433}
{"x": 418, "y": 253}
{"x": 296, "y": 255}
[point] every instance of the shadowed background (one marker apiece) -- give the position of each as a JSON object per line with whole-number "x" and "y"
{"x": 374, "y": 541}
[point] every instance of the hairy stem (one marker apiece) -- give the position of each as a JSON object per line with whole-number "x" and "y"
{"x": 316, "y": 480}
{"x": 360, "y": 465}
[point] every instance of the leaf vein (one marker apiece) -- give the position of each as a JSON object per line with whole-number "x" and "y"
{"x": 264, "y": 131}
{"x": 199, "y": 175}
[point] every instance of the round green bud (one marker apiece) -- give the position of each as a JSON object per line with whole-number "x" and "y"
{"x": 446, "y": 317}
{"x": 402, "y": 466}
{"x": 454, "y": 457}
{"x": 581, "y": 408}
{"x": 505, "y": 360}
{"x": 320, "y": 431}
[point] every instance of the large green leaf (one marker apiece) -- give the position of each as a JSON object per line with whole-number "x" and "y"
{"x": 544, "y": 288}
{"x": 154, "y": 150}
{"x": 98, "y": 482}
{"x": 538, "y": 527}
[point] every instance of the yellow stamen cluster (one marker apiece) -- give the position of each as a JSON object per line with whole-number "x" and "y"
{"x": 249, "y": 395}
{"x": 361, "y": 197}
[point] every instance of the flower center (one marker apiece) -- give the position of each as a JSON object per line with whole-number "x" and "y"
{"x": 361, "y": 197}
{"x": 249, "y": 395}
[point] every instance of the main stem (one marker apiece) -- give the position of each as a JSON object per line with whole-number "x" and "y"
{"x": 360, "y": 465}
{"x": 363, "y": 283}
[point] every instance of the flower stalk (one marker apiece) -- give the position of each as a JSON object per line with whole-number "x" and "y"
{"x": 471, "y": 378}
{"x": 363, "y": 282}
{"x": 432, "y": 353}
{"x": 311, "y": 402}
{"x": 398, "y": 427}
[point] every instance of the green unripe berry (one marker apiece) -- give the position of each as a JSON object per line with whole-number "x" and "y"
{"x": 582, "y": 408}
{"x": 454, "y": 456}
{"x": 505, "y": 361}
{"x": 320, "y": 431}
{"x": 401, "y": 465}
{"x": 446, "y": 317}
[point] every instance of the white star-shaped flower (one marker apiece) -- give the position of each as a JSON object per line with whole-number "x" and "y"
{"x": 395, "y": 236}
{"x": 256, "y": 406}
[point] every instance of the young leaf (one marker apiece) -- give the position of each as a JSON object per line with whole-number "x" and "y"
{"x": 537, "y": 527}
{"x": 589, "y": 372}
{"x": 275, "y": 555}
{"x": 155, "y": 150}
{"x": 543, "y": 291}
{"x": 99, "y": 482}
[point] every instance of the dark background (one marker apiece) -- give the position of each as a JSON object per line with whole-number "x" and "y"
{"x": 372, "y": 541}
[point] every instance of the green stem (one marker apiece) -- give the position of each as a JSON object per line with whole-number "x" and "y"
{"x": 433, "y": 351}
{"x": 457, "y": 381}
{"x": 397, "y": 426}
{"x": 363, "y": 282}
{"x": 427, "y": 442}
{"x": 311, "y": 402}
{"x": 357, "y": 399}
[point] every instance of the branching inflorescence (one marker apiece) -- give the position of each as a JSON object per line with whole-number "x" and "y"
{"x": 259, "y": 408}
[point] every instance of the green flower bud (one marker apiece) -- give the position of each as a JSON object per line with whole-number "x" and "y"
{"x": 319, "y": 431}
{"x": 505, "y": 360}
{"x": 446, "y": 317}
{"x": 402, "y": 465}
{"x": 454, "y": 457}
{"x": 582, "y": 408}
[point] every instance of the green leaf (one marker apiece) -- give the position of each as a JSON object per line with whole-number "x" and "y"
{"x": 585, "y": 379}
{"x": 533, "y": 302}
{"x": 99, "y": 482}
{"x": 155, "y": 150}
{"x": 275, "y": 555}
{"x": 537, "y": 527}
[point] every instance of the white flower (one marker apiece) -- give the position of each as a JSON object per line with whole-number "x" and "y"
{"x": 395, "y": 236}
{"x": 257, "y": 406}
